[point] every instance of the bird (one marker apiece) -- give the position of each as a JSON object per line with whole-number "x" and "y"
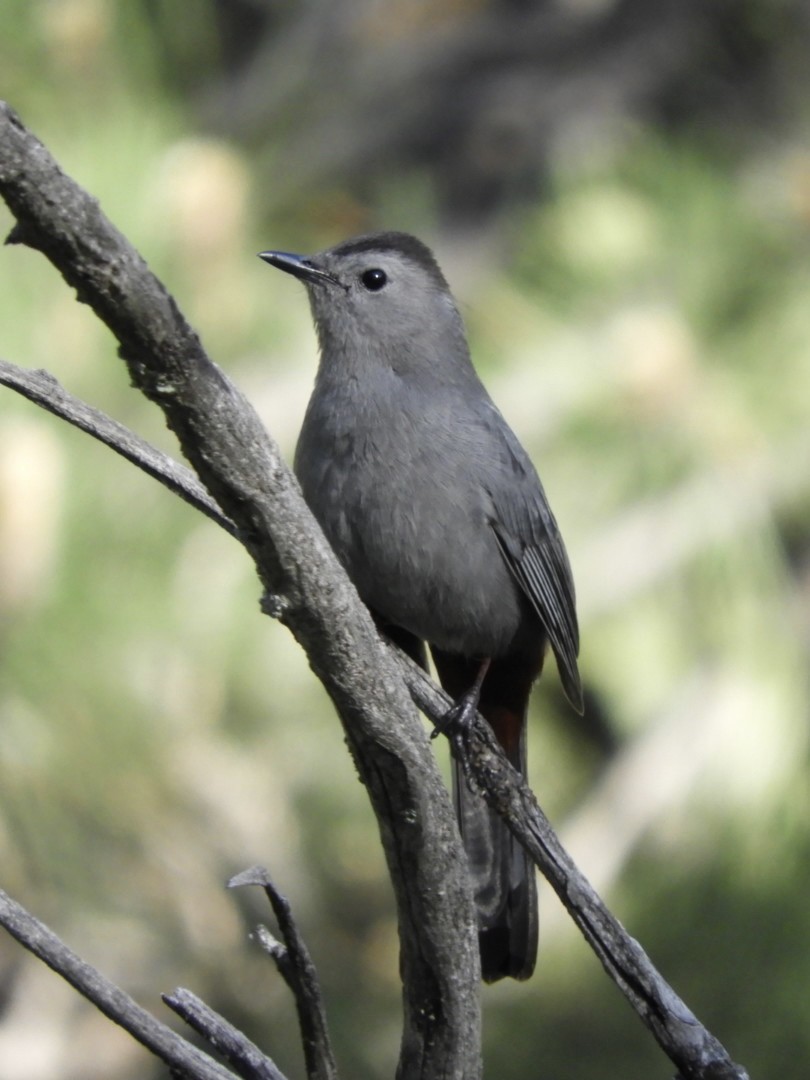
{"x": 438, "y": 515}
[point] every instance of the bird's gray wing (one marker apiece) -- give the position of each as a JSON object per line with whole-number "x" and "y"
{"x": 533, "y": 549}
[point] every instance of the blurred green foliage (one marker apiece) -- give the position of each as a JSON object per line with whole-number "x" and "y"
{"x": 645, "y": 327}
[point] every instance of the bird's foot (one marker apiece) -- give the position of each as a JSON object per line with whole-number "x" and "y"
{"x": 457, "y": 724}
{"x": 459, "y": 717}
{"x": 457, "y": 721}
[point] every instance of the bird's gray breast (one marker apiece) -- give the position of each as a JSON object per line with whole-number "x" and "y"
{"x": 401, "y": 491}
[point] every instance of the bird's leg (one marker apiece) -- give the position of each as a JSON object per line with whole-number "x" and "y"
{"x": 459, "y": 717}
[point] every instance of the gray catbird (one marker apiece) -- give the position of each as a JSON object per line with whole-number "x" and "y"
{"x": 436, "y": 512}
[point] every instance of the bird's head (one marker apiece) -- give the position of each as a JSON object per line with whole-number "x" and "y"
{"x": 380, "y": 296}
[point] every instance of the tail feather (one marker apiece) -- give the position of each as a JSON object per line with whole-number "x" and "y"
{"x": 503, "y": 885}
{"x": 503, "y": 876}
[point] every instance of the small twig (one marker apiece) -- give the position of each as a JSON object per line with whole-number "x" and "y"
{"x": 298, "y": 971}
{"x": 44, "y": 390}
{"x": 694, "y": 1050}
{"x": 276, "y": 951}
{"x": 183, "y": 1058}
{"x": 246, "y": 1058}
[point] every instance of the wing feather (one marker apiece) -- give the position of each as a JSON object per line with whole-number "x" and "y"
{"x": 542, "y": 571}
{"x": 531, "y": 545}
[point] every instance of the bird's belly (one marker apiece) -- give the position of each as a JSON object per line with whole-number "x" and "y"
{"x": 422, "y": 555}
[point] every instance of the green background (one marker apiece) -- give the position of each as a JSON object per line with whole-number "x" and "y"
{"x": 633, "y": 267}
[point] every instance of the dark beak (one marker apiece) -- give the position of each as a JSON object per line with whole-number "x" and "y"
{"x": 299, "y": 266}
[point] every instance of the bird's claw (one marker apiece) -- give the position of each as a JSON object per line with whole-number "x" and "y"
{"x": 458, "y": 719}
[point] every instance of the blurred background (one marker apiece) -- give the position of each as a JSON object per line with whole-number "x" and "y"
{"x": 619, "y": 193}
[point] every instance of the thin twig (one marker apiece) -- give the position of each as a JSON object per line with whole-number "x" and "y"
{"x": 277, "y": 951}
{"x": 181, "y": 1056}
{"x": 296, "y": 967}
{"x": 44, "y": 390}
{"x": 246, "y": 1058}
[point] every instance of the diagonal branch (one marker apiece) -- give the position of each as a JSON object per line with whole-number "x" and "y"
{"x": 248, "y": 1060}
{"x": 241, "y": 467}
{"x": 183, "y": 1058}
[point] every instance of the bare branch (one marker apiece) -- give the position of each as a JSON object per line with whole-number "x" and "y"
{"x": 240, "y": 466}
{"x": 248, "y": 1060}
{"x": 295, "y": 965}
{"x": 170, "y": 1047}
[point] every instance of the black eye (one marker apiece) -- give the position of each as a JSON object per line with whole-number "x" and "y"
{"x": 374, "y": 280}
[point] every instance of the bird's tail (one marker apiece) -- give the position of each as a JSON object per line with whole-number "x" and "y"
{"x": 502, "y": 874}
{"x": 503, "y": 882}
